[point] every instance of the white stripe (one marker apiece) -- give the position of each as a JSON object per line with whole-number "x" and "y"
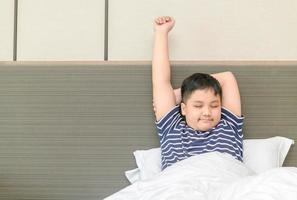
{"x": 169, "y": 118}
{"x": 169, "y": 144}
{"x": 217, "y": 133}
{"x": 168, "y": 127}
{"x": 215, "y": 140}
{"x": 173, "y": 159}
{"x": 213, "y": 145}
{"x": 217, "y": 148}
{"x": 178, "y": 141}
{"x": 231, "y": 119}
{"x": 166, "y": 151}
{"x": 178, "y": 155}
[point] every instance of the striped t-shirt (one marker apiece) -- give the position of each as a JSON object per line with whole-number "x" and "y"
{"x": 179, "y": 141}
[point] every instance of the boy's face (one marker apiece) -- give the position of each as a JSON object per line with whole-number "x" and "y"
{"x": 202, "y": 109}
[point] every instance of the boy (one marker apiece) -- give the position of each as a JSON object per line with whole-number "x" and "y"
{"x": 209, "y": 115}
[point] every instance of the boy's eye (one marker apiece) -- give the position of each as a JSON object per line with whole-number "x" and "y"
{"x": 214, "y": 106}
{"x": 197, "y": 106}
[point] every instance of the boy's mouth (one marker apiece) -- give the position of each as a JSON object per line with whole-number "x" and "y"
{"x": 206, "y": 120}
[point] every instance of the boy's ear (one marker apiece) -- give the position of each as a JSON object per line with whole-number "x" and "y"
{"x": 183, "y": 108}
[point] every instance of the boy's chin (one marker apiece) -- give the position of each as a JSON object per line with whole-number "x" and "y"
{"x": 204, "y": 129}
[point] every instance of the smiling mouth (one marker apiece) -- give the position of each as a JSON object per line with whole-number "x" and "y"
{"x": 206, "y": 120}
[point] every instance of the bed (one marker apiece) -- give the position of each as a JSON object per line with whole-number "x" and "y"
{"x": 69, "y": 129}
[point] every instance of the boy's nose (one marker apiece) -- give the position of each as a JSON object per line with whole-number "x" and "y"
{"x": 206, "y": 112}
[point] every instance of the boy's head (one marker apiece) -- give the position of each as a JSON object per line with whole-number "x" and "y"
{"x": 201, "y": 101}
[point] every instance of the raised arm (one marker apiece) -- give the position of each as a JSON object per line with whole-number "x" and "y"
{"x": 231, "y": 96}
{"x": 163, "y": 95}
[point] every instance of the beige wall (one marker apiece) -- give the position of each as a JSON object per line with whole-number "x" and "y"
{"x": 207, "y": 30}
{"x": 204, "y": 30}
{"x": 6, "y": 30}
{"x": 61, "y": 30}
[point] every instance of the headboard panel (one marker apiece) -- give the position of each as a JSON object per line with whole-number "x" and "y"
{"x": 68, "y": 130}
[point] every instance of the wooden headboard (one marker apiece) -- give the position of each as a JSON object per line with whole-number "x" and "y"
{"x": 68, "y": 130}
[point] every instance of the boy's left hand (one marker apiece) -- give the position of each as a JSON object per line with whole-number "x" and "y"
{"x": 164, "y": 24}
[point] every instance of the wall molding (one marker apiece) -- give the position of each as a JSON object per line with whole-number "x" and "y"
{"x": 15, "y": 30}
{"x": 243, "y": 63}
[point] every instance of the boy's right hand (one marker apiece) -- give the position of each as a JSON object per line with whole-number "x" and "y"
{"x": 163, "y": 24}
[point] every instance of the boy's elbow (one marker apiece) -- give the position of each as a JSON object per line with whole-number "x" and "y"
{"x": 229, "y": 73}
{"x": 229, "y": 76}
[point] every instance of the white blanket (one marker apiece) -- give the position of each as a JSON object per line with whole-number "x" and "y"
{"x": 213, "y": 176}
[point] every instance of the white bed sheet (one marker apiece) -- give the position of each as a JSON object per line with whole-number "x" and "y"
{"x": 274, "y": 184}
{"x": 213, "y": 176}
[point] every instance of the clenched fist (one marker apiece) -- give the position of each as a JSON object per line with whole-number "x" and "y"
{"x": 163, "y": 24}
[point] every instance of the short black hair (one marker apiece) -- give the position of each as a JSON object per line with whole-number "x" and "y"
{"x": 199, "y": 81}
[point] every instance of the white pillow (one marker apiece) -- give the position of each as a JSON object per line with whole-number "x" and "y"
{"x": 259, "y": 155}
{"x": 264, "y": 154}
{"x": 133, "y": 175}
{"x": 148, "y": 162}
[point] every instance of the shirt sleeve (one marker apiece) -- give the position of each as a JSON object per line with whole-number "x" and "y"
{"x": 235, "y": 121}
{"x": 168, "y": 121}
